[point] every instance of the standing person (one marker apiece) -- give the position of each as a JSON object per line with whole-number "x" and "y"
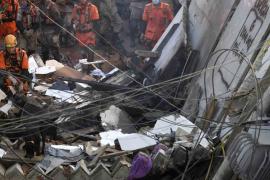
{"x": 27, "y": 23}
{"x": 137, "y": 26}
{"x": 14, "y": 60}
{"x": 157, "y": 15}
{"x": 84, "y": 16}
{"x": 8, "y": 14}
{"x": 48, "y": 31}
{"x": 111, "y": 26}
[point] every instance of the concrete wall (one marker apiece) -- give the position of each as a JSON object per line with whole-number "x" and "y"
{"x": 244, "y": 31}
{"x": 207, "y": 18}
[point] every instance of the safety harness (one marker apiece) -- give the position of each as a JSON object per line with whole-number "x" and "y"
{"x": 13, "y": 62}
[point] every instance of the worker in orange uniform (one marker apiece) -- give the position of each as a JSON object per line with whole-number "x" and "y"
{"x": 157, "y": 15}
{"x": 84, "y": 16}
{"x": 15, "y": 61}
{"x": 8, "y": 14}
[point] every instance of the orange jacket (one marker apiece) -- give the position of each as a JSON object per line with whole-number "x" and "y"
{"x": 84, "y": 16}
{"x": 9, "y": 10}
{"x": 157, "y": 18}
{"x": 8, "y": 14}
{"x": 15, "y": 63}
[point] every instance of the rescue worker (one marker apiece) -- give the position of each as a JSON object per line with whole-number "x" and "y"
{"x": 14, "y": 60}
{"x": 157, "y": 15}
{"x": 48, "y": 32}
{"x": 137, "y": 26}
{"x": 111, "y": 25}
{"x": 84, "y": 16}
{"x": 8, "y": 14}
{"x": 27, "y": 23}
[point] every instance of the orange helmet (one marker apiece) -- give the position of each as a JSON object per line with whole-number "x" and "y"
{"x": 10, "y": 41}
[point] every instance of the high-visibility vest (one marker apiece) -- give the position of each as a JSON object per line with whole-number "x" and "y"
{"x": 14, "y": 62}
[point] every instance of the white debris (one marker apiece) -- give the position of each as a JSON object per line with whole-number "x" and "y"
{"x": 2, "y": 95}
{"x": 45, "y": 70}
{"x": 2, "y": 152}
{"x": 98, "y": 72}
{"x": 54, "y": 63}
{"x": 66, "y": 96}
{"x": 109, "y": 137}
{"x": 32, "y": 64}
{"x": 179, "y": 124}
{"x": 118, "y": 119}
{"x": 65, "y": 150}
{"x": 135, "y": 141}
{"x": 6, "y": 107}
{"x": 41, "y": 88}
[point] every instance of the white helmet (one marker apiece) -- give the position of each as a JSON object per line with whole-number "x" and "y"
{"x": 155, "y": 2}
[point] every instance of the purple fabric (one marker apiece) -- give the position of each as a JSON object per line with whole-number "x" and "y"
{"x": 141, "y": 166}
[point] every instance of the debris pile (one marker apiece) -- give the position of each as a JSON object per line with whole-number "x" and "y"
{"x": 112, "y": 153}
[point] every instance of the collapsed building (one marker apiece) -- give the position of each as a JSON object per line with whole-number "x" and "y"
{"x": 194, "y": 107}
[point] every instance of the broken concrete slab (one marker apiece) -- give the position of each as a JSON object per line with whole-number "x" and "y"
{"x": 6, "y": 107}
{"x": 2, "y": 95}
{"x": 2, "y": 152}
{"x": 121, "y": 170}
{"x": 135, "y": 141}
{"x": 147, "y": 54}
{"x": 35, "y": 173}
{"x": 2, "y": 171}
{"x": 37, "y": 59}
{"x": 118, "y": 119}
{"x": 80, "y": 172}
{"x": 34, "y": 63}
{"x": 49, "y": 163}
{"x": 109, "y": 137}
{"x": 180, "y": 124}
{"x": 101, "y": 151}
{"x": 100, "y": 172}
{"x": 90, "y": 149}
{"x": 67, "y": 96}
{"x": 58, "y": 173}
{"x": 65, "y": 150}
{"x": 15, "y": 172}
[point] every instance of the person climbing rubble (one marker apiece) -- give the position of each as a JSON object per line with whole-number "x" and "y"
{"x": 27, "y": 23}
{"x": 8, "y": 14}
{"x": 14, "y": 60}
{"x": 157, "y": 15}
{"x": 84, "y": 16}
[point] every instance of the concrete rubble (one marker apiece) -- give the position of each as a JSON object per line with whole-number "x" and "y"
{"x": 195, "y": 106}
{"x": 107, "y": 146}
